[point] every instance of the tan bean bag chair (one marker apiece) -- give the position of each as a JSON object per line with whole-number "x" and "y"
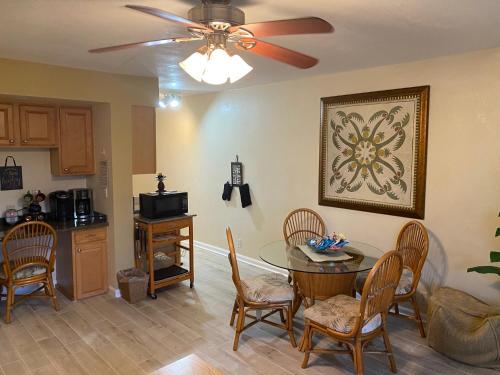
{"x": 464, "y": 328}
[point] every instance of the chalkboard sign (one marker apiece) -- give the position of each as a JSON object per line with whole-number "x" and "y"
{"x": 11, "y": 177}
{"x": 236, "y": 173}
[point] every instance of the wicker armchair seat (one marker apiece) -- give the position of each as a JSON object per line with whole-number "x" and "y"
{"x": 464, "y": 328}
{"x": 25, "y": 272}
{"x": 267, "y": 288}
{"x": 340, "y": 314}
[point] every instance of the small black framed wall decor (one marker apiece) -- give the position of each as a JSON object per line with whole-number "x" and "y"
{"x": 11, "y": 177}
{"x": 236, "y": 173}
{"x": 373, "y": 150}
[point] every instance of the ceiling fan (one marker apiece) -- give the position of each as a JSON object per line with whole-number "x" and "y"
{"x": 220, "y": 25}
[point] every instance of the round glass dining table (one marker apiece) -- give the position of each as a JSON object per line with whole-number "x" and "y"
{"x": 321, "y": 278}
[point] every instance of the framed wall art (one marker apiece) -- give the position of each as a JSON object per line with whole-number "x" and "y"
{"x": 373, "y": 151}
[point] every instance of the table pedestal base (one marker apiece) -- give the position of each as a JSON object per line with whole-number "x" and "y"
{"x": 316, "y": 286}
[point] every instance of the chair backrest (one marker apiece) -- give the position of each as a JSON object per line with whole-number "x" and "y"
{"x": 302, "y": 224}
{"x": 413, "y": 245}
{"x": 234, "y": 263}
{"x": 29, "y": 244}
{"x": 380, "y": 286}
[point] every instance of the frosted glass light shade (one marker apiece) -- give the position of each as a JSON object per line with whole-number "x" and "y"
{"x": 195, "y": 65}
{"x": 216, "y": 70}
{"x": 238, "y": 68}
{"x": 216, "y": 67}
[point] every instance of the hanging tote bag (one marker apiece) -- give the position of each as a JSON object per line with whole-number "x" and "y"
{"x": 11, "y": 177}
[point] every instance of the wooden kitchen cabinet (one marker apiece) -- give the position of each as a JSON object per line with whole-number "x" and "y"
{"x": 91, "y": 269}
{"x": 75, "y": 155}
{"x": 143, "y": 139}
{"x": 7, "y": 131}
{"x": 38, "y": 125}
{"x": 82, "y": 263}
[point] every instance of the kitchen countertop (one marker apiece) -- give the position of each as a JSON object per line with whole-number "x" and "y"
{"x": 99, "y": 220}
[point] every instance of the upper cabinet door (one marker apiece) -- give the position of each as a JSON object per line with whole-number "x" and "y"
{"x": 76, "y": 147}
{"x": 38, "y": 126}
{"x": 7, "y": 136}
{"x": 143, "y": 140}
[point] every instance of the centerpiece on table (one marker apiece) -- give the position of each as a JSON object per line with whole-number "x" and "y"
{"x": 334, "y": 242}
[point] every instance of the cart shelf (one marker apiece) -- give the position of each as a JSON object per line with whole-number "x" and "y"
{"x": 155, "y": 235}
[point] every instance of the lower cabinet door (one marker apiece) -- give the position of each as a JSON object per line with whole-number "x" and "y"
{"x": 91, "y": 269}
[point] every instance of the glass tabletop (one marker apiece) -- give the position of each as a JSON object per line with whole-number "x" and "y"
{"x": 362, "y": 258}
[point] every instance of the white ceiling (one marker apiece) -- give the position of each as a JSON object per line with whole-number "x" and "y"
{"x": 368, "y": 33}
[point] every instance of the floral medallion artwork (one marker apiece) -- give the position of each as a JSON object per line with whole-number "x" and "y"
{"x": 373, "y": 151}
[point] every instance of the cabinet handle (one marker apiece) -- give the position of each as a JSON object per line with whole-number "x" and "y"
{"x": 65, "y": 170}
{"x": 25, "y": 141}
{"x": 79, "y": 250}
{"x": 11, "y": 140}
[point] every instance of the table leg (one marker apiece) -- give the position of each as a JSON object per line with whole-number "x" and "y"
{"x": 150, "y": 259}
{"x": 191, "y": 255}
{"x": 297, "y": 301}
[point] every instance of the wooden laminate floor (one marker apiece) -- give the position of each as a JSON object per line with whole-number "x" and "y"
{"x": 104, "y": 335}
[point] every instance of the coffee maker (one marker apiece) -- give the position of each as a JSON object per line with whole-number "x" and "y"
{"x": 61, "y": 205}
{"x": 82, "y": 204}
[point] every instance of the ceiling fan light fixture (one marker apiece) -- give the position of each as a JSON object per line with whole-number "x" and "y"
{"x": 216, "y": 70}
{"x": 238, "y": 68}
{"x": 195, "y": 65}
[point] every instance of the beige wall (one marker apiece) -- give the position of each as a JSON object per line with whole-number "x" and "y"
{"x": 144, "y": 183}
{"x": 275, "y": 131}
{"x": 120, "y": 92}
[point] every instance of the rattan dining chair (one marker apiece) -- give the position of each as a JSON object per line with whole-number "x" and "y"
{"x": 264, "y": 292}
{"x": 413, "y": 245}
{"x": 302, "y": 224}
{"x": 28, "y": 259}
{"x": 353, "y": 323}
{"x": 299, "y": 225}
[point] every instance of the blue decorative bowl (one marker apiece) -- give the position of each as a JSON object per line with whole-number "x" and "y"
{"x": 326, "y": 243}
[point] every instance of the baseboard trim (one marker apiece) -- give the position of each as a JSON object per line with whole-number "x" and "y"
{"x": 241, "y": 258}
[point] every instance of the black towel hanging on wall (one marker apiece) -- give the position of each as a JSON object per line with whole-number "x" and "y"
{"x": 226, "y": 193}
{"x": 245, "y": 195}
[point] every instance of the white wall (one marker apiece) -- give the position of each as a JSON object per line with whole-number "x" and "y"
{"x": 36, "y": 175}
{"x": 275, "y": 131}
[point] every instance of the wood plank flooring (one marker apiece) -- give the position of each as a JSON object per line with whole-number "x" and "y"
{"x": 105, "y": 335}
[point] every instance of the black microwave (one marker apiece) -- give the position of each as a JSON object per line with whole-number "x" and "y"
{"x": 163, "y": 205}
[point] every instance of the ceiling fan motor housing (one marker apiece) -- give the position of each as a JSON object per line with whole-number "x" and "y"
{"x": 218, "y": 15}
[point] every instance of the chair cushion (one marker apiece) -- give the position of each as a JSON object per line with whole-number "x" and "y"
{"x": 24, "y": 272}
{"x": 267, "y": 288}
{"x": 339, "y": 313}
{"x": 404, "y": 286}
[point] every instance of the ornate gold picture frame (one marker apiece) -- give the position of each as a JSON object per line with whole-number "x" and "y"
{"x": 373, "y": 150}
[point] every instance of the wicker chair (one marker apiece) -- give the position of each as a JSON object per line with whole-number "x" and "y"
{"x": 267, "y": 292}
{"x": 353, "y": 322}
{"x": 413, "y": 245}
{"x": 301, "y": 224}
{"x": 28, "y": 259}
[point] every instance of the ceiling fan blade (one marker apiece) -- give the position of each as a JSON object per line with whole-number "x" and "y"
{"x": 278, "y": 53}
{"x": 147, "y": 43}
{"x": 308, "y": 25}
{"x": 168, "y": 16}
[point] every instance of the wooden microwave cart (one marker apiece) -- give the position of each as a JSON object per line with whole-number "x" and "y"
{"x": 159, "y": 234}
